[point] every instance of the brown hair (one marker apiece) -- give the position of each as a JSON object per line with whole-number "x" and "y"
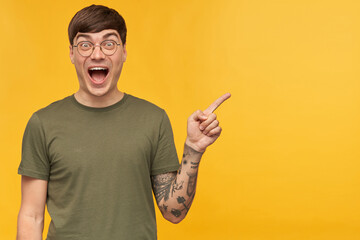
{"x": 96, "y": 18}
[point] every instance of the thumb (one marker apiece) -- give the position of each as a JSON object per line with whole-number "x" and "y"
{"x": 198, "y": 116}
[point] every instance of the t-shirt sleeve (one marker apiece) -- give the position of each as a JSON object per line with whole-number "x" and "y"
{"x": 34, "y": 158}
{"x": 166, "y": 159}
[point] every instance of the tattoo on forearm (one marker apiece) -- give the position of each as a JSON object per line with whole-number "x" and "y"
{"x": 191, "y": 184}
{"x": 190, "y": 151}
{"x": 176, "y": 212}
{"x": 176, "y": 186}
{"x": 184, "y": 161}
{"x": 195, "y": 164}
{"x": 164, "y": 207}
{"x": 162, "y": 184}
{"x": 182, "y": 200}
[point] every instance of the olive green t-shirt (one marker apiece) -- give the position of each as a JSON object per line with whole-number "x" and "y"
{"x": 98, "y": 163}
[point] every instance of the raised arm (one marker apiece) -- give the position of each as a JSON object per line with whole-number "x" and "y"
{"x": 175, "y": 191}
{"x": 31, "y": 215}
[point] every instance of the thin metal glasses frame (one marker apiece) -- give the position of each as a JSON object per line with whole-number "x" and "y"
{"x": 95, "y": 45}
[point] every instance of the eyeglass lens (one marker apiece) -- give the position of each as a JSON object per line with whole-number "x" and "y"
{"x": 108, "y": 47}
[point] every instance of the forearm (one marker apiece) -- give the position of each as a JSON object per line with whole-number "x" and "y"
{"x": 175, "y": 191}
{"x": 29, "y": 227}
{"x": 175, "y": 203}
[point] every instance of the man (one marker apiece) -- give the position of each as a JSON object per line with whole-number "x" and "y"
{"x": 95, "y": 157}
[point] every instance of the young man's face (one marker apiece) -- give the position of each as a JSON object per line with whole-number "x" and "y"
{"x": 98, "y": 73}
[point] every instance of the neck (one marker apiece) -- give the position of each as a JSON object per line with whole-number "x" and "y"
{"x": 98, "y": 101}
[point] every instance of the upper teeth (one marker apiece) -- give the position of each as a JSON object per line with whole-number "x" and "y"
{"x": 97, "y": 68}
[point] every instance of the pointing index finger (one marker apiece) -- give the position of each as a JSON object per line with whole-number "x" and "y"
{"x": 217, "y": 103}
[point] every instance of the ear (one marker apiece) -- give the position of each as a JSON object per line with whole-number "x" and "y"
{"x": 124, "y": 52}
{"x": 72, "y": 54}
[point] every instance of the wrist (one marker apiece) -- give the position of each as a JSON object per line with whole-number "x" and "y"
{"x": 194, "y": 147}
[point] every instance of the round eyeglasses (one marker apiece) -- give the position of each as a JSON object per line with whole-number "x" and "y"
{"x": 86, "y": 48}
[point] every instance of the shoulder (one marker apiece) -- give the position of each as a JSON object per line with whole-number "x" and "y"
{"x": 39, "y": 120}
{"x": 143, "y": 105}
{"x": 54, "y": 109}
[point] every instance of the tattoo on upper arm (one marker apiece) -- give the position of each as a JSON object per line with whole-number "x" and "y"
{"x": 162, "y": 185}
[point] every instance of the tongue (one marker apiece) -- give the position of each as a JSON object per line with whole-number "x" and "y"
{"x": 98, "y": 75}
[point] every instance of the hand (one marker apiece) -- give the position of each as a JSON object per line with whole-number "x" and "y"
{"x": 203, "y": 128}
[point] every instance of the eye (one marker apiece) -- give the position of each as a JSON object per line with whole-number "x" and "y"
{"x": 108, "y": 44}
{"x": 85, "y": 45}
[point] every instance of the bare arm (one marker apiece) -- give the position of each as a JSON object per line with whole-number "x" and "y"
{"x": 175, "y": 191}
{"x": 31, "y": 215}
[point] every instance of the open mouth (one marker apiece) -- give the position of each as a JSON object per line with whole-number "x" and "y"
{"x": 98, "y": 74}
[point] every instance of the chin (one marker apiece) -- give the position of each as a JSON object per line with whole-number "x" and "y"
{"x": 99, "y": 90}
{"x": 98, "y": 93}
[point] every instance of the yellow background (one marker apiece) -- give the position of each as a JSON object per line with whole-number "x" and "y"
{"x": 287, "y": 163}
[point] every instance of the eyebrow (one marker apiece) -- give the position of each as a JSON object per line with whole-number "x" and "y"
{"x": 84, "y": 35}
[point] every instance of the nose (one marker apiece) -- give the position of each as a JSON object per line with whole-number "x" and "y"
{"x": 97, "y": 53}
